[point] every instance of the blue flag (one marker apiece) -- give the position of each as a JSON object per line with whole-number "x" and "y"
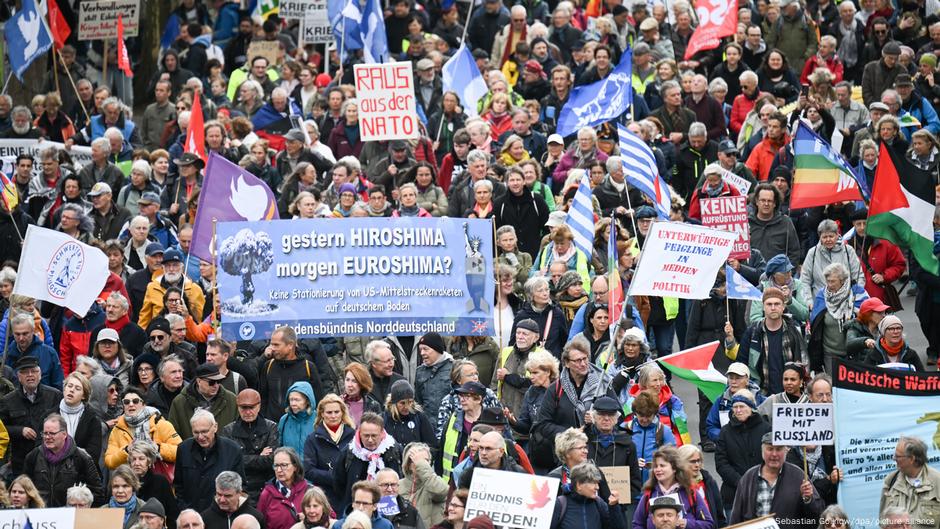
{"x": 740, "y": 288}
{"x": 345, "y": 16}
{"x": 581, "y": 217}
{"x": 28, "y": 37}
{"x": 170, "y": 32}
{"x": 461, "y": 76}
{"x": 372, "y": 31}
{"x": 596, "y": 103}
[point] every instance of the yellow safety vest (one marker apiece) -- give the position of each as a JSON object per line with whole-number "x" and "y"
{"x": 451, "y": 438}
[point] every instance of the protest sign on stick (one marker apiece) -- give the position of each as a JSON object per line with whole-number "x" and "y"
{"x": 98, "y": 20}
{"x": 802, "y": 424}
{"x": 729, "y": 214}
{"x": 512, "y": 499}
{"x": 386, "y": 96}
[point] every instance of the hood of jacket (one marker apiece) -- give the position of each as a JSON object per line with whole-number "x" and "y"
{"x": 305, "y": 389}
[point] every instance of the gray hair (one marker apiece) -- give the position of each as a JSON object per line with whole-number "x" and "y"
{"x": 916, "y": 448}
{"x": 312, "y": 123}
{"x": 828, "y": 38}
{"x": 21, "y": 110}
{"x": 279, "y": 92}
{"x": 357, "y": 518}
{"x": 21, "y": 319}
{"x": 584, "y": 473}
{"x": 827, "y": 226}
{"x": 188, "y": 511}
{"x": 832, "y": 512}
{"x": 698, "y": 129}
{"x": 139, "y": 220}
{"x": 115, "y": 296}
{"x": 80, "y": 493}
{"x": 166, "y": 361}
{"x": 483, "y": 183}
{"x": 174, "y": 318}
{"x": 91, "y": 363}
{"x": 866, "y": 144}
{"x": 566, "y": 441}
{"x": 613, "y": 163}
{"x": 228, "y": 480}
{"x": 143, "y": 167}
{"x": 114, "y": 131}
{"x": 508, "y": 228}
{"x": 578, "y": 343}
{"x": 110, "y": 101}
{"x": 49, "y": 153}
{"x": 202, "y": 414}
{"x": 102, "y": 144}
{"x": 534, "y": 283}
{"x": 836, "y": 269}
{"x": 717, "y": 85}
{"x": 890, "y": 515}
{"x": 373, "y": 346}
{"x": 588, "y": 131}
{"x": 351, "y": 163}
{"x": 669, "y": 85}
{"x": 346, "y": 103}
{"x": 648, "y": 371}
{"x": 145, "y": 448}
{"x": 8, "y": 275}
{"x": 476, "y": 156}
{"x": 748, "y": 75}
{"x": 251, "y": 84}
{"x": 892, "y": 93}
{"x": 850, "y": 4}
{"x": 411, "y": 186}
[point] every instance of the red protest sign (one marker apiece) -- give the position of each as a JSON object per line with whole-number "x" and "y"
{"x": 729, "y": 214}
{"x": 716, "y": 19}
{"x": 386, "y": 96}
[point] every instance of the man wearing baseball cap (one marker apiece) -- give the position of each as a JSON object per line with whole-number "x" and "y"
{"x": 161, "y": 228}
{"x": 138, "y": 281}
{"x": 739, "y": 377}
{"x": 109, "y": 218}
{"x": 206, "y": 392}
{"x": 192, "y": 301}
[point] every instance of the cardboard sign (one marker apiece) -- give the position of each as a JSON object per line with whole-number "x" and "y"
{"x": 98, "y": 20}
{"x": 315, "y": 27}
{"x": 802, "y": 424}
{"x": 729, "y": 214}
{"x": 265, "y": 48}
{"x": 680, "y": 260}
{"x": 512, "y": 499}
{"x": 618, "y": 479}
{"x": 63, "y": 518}
{"x": 764, "y": 522}
{"x": 387, "y": 107}
{"x": 735, "y": 181}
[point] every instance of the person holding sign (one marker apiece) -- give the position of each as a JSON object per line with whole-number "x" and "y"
{"x": 820, "y": 462}
{"x": 713, "y": 187}
{"x": 671, "y": 478}
{"x": 777, "y": 487}
{"x": 583, "y": 507}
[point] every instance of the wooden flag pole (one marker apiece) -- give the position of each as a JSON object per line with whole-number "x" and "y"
{"x": 104, "y": 65}
{"x": 55, "y": 71}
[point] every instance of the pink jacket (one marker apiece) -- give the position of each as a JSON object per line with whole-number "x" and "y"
{"x": 280, "y": 512}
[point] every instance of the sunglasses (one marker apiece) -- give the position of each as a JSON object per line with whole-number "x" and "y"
{"x": 128, "y": 402}
{"x": 211, "y": 382}
{"x": 157, "y": 338}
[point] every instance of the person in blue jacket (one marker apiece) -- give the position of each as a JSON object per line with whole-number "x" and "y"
{"x": 648, "y": 433}
{"x": 26, "y": 343}
{"x": 738, "y": 379}
{"x": 297, "y": 422}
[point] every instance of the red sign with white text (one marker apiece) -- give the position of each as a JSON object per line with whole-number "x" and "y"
{"x": 716, "y": 19}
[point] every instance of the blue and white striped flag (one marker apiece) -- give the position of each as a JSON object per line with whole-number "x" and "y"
{"x": 581, "y": 218}
{"x": 639, "y": 167}
{"x": 738, "y": 287}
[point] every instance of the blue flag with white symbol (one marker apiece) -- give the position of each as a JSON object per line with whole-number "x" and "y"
{"x": 740, "y": 288}
{"x": 593, "y": 104}
{"x": 27, "y": 36}
{"x": 345, "y": 16}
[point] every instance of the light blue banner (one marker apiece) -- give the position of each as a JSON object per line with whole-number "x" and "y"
{"x": 873, "y": 407}
{"x": 356, "y": 277}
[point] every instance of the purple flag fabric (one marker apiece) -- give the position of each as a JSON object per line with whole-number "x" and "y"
{"x": 229, "y": 193}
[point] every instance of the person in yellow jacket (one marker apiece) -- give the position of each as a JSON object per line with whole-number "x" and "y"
{"x": 172, "y": 277}
{"x": 4, "y": 440}
{"x": 140, "y": 422}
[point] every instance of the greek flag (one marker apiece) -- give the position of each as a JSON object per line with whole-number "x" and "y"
{"x": 639, "y": 167}
{"x": 596, "y": 103}
{"x": 740, "y": 288}
{"x": 461, "y": 75}
{"x": 581, "y": 218}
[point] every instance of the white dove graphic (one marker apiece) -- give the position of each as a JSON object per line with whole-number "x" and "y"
{"x": 248, "y": 201}
{"x": 29, "y": 25}
{"x": 741, "y": 285}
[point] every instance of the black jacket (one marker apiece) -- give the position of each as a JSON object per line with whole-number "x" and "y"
{"x": 11, "y": 234}
{"x": 826, "y": 489}
{"x": 609, "y": 198}
{"x": 509, "y": 465}
{"x": 109, "y": 226}
{"x": 351, "y": 469}
{"x": 275, "y": 376}
{"x": 321, "y": 454}
{"x": 88, "y": 434}
{"x": 527, "y": 214}
{"x": 557, "y": 333}
{"x": 381, "y": 386}
{"x": 214, "y": 518}
{"x": 411, "y": 428}
{"x": 713, "y": 498}
{"x": 738, "y": 450}
{"x": 17, "y": 412}
{"x": 197, "y": 468}
{"x": 161, "y": 398}
{"x": 136, "y": 288}
{"x": 253, "y": 438}
{"x": 621, "y": 453}
{"x": 53, "y": 481}
{"x": 158, "y": 486}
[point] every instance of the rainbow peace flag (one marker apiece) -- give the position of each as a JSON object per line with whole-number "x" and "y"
{"x": 9, "y": 195}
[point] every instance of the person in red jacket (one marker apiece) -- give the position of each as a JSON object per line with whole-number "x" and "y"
{"x": 744, "y": 102}
{"x": 825, "y": 58}
{"x": 882, "y": 261}
{"x": 775, "y": 137}
{"x": 713, "y": 187}
{"x": 76, "y": 333}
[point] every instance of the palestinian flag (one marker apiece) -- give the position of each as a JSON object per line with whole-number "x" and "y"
{"x": 902, "y": 207}
{"x": 822, "y": 176}
{"x": 695, "y": 366}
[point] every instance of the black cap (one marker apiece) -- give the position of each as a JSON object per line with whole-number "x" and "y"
{"x": 492, "y": 416}
{"x": 401, "y": 390}
{"x": 434, "y": 341}
{"x": 153, "y": 506}
{"x": 859, "y": 214}
{"x": 26, "y": 362}
{"x": 472, "y": 388}
{"x": 398, "y": 145}
{"x": 209, "y": 371}
{"x": 645, "y": 212}
{"x": 528, "y": 324}
{"x": 153, "y": 249}
{"x": 891, "y": 48}
{"x": 606, "y": 405}
{"x": 158, "y": 324}
{"x": 480, "y": 54}
{"x": 903, "y": 79}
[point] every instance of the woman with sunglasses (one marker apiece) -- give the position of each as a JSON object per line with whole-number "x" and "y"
{"x": 140, "y": 422}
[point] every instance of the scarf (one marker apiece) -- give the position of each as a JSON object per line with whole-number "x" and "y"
{"x": 605, "y": 439}
{"x": 334, "y": 433}
{"x": 54, "y": 458}
{"x": 892, "y": 351}
{"x": 373, "y": 457}
{"x": 482, "y": 213}
{"x": 129, "y": 507}
{"x": 814, "y": 461}
{"x": 117, "y": 324}
{"x": 848, "y": 48}
{"x": 713, "y": 191}
{"x": 565, "y": 257}
{"x": 141, "y": 423}
{"x": 282, "y": 488}
{"x": 408, "y": 212}
{"x": 71, "y": 414}
{"x": 352, "y": 134}
{"x": 839, "y": 304}
{"x": 567, "y": 384}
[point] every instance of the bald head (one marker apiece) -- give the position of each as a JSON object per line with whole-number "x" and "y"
{"x": 245, "y": 521}
{"x": 491, "y": 449}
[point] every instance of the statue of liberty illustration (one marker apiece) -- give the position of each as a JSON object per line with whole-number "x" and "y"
{"x": 475, "y": 273}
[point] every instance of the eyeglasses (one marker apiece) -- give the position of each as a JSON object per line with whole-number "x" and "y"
{"x": 363, "y": 503}
{"x": 157, "y": 338}
{"x": 144, "y": 369}
{"x": 51, "y": 434}
{"x": 281, "y": 465}
{"x": 128, "y": 402}
{"x": 388, "y": 485}
{"x": 583, "y": 360}
{"x": 211, "y": 382}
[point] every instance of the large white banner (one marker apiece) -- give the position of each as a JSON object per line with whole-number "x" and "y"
{"x": 387, "y": 106}
{"x": 62, "y": 518}
{"x": 10, "y": 149}
{"x": 512, "y": 499}
{"x": 681, "y": 260}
